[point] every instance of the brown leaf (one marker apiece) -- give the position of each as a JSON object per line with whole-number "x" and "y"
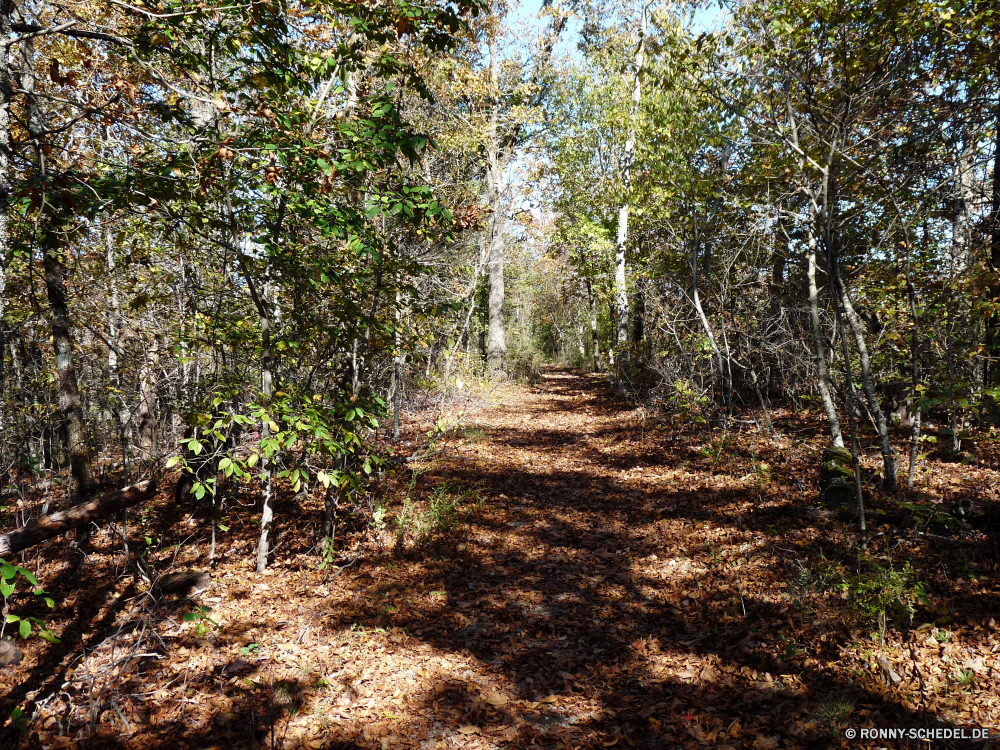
{"x": 884, "y": 663}
{"x": 497, "y": 699}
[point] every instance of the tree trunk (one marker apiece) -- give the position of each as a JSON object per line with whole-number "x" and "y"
{"x": 915, "y": 380}
{"x": 779, "y": 257}
{"x": 267, "y": 491}
{"x": 824, "y": 384}
{"x": 5, "y": 159}
{"x": 496, "y": 340}
{"x": 147, "y": 401}
{"x": 47, "y": 527}
{"x": 621, "y": 242}
{"x": 962, "y": 200}
{"x": 266, "y": 379}
{"x": 74, "y": 426}
{"x": 595, "y": 348}
{"x": 867, "y": 382}
{"x": 397, "y": 372}
{"x": 853, "y": 427}
{"x": 621, "y": 271}
{"x": 992, "y": 335}
{"x": 638, "y": 319}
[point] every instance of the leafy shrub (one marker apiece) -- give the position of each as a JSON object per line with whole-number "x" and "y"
{"x": 9, "y": 576}
{"x": 877, "y": 593}
{"x": 441, "y": 515}
{"x": 881, "y": 593}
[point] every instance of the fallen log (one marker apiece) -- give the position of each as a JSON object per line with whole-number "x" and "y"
{"x": 54, "y": 524}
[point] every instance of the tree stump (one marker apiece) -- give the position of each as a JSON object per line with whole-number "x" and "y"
{"x": 837, "y": 487}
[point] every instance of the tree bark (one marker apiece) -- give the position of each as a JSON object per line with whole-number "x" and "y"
{"x": 267, "y": 493}
{"x": 5, "y": 159}
{"x": 52, "y": 525}
{"x": 595, "y": 348}
{"x": 992, "y": 337}
{"x": 853, "y": 428}
{"x": 397, "y": 371}
{"x": 147, "y": 401}
{"x": 915, "y": 381}
{"x": 74, "y": 427}
{"x": 867, "y": 382}
{"x": 496, "y": 339}
{"x": 962, "y": 198}
{"x": 621, "y": 240}
{"x": 824, "y": 384}
{"x": 266, "y": 379}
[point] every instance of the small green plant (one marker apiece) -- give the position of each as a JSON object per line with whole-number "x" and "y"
{"x": 881, "y": 593}
{"x": 442, "y": 513}
{"x": 687, "y": 402}
{"x": 9, "y": 576}
{"x": 203, "y": 623}
{"x": 473, "y": 433}
{"x": 405, "y": 522}
{"x": 965, "y": 677}
{"x": 378, "y": 518}
{"x": 763, "y": 472}
{"x": 251, "y": 649}
{"x": 835, "y": 710}
{"x": 820, "y": 575}
{"x": 928, "y": 514}
{"x": 942, "y": 636}
{"x": 19, "y": 719}
{"x": 328, "y": 552}
{"x": 792, "y": 648}
{"x": 715, "y": 449}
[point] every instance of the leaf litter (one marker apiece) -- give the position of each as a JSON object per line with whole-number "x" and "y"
{"x": 610, "y": 580}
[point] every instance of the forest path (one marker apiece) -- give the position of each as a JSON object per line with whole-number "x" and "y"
{"x": 624, "y": 583}
{"x": 605, "y": 582}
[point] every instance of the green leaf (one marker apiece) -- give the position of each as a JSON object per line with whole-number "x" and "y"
{"x": 8, "y": 571}
{"x": 6, "y": 588}
{"x": 24, "y": 628}
{"x": 173, "y": 461}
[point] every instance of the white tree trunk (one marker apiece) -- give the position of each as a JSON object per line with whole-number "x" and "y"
{"x": 628, "y": 157}
{"x": 824, "y": 384}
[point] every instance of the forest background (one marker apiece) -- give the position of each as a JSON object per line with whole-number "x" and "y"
{"x": 239, "y": 240}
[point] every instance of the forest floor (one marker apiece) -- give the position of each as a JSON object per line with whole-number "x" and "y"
{"x": 573, "y": 573}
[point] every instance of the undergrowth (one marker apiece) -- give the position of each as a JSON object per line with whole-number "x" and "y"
{"x": 423, "y": 521}
{"x": 878, "y": 593}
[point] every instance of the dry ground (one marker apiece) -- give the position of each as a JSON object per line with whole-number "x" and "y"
{"x": 606, "y": 581}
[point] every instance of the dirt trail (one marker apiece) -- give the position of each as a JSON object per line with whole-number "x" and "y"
{"x": 615, "y": 584}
